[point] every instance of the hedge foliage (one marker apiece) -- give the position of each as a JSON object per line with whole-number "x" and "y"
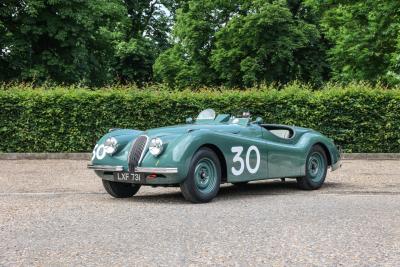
{"x": 68, "y": 119}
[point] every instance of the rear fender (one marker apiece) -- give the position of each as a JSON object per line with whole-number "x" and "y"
{"x": 333, "y": 153}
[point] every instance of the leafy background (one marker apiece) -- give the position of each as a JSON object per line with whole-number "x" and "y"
{"x": 69, "y": 119}
{"x": 196, "y": 43}
{"x": 69, "y": 70}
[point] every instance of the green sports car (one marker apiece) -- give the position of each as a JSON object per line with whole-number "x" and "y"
{"x": 213, "y": 149}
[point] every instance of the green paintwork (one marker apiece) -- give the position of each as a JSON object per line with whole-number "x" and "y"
{"x": 278, "y": 157}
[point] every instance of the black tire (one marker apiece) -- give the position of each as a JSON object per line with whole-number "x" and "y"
{"x": 120, "y": 190}
{"x": 189, "y": 187}
{"x": 310, "y": 182}
{"x": 239, "y": 184}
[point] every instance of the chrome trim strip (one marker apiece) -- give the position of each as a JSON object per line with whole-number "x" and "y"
{"x": 137, "y": 169}
{"x": 130, "y": 149}
{"x": 156, "y": 170}
{"x": 144, "y": 149}
{"x": 105, "y": 168}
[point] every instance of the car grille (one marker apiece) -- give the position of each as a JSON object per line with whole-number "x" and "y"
{"x": 136, "y": 152}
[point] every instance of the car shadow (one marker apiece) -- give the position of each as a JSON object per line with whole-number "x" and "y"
{"x": 231, "y": 192}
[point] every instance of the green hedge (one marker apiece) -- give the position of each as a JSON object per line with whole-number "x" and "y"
{"x": 360, "y": 118}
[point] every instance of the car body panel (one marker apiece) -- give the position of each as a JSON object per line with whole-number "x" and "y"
{"x": 247, "y": 151}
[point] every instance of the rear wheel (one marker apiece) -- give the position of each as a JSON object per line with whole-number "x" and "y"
{"x": 120, "y": 190}
{"x": 204, "y": 177}
{"x": 316, "y": 169}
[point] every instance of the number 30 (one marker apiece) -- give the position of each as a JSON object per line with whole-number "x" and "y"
{"x": 237, "y": 158}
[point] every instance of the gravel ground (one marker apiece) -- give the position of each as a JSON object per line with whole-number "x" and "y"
{"x": 55, "y": 212}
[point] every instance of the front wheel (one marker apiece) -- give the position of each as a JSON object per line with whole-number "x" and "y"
{"x": 120, "y": 190}
{"x": 204, "y": 177}
{"x": 316, "y": 169}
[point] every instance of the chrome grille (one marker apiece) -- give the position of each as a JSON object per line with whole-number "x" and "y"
{"x": 136, "y": 153}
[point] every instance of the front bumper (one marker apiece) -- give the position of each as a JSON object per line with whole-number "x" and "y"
{"x": 151, "y": 170}
{"x": 338, "y": 164}
{"x": 105, "y": 168}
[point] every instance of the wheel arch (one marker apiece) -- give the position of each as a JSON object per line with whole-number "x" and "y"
{"x": 327, "y": 152}
{"x": 222, "y": 160}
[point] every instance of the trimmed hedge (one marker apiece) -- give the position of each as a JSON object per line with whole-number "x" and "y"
{"x": 360, "y": 118}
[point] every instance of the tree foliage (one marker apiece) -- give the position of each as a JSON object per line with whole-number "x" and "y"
{"x": 91, "y": 42}
{"x": 195, "y": 43}
{"x": 243, "y": 43}
{"x": 146, "y": 36}
{"x": 62, "y": 41}
{"x": 268, "y": 43}
{"x": 365, "y": 37}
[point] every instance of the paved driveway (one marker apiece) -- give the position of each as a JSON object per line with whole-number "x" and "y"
{"x": 55, "y": 213}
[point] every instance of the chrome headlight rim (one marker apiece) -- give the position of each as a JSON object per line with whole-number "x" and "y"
{"x": 111, "y": 145}
{"x": 156, "y": 146}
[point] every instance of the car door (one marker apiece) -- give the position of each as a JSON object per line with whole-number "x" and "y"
{"x": 245, "y": 154}
{"x": 284, "y": 157}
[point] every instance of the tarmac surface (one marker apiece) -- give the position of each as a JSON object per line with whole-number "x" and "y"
{"x": 56, "y": 213}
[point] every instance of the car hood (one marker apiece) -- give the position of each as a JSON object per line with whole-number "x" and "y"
{"x": 186, "y": 128}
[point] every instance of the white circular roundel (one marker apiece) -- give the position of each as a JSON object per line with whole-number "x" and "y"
{"x": 101, "y": 152}
{"x": 94, "y": 152}
{"x": 249, "y": 168}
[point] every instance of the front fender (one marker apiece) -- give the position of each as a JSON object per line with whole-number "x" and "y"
{"x": 124, "y": 138}
{"x": 179, "y": 152}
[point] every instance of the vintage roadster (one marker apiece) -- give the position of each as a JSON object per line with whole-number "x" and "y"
{"x": 213, "y": 149}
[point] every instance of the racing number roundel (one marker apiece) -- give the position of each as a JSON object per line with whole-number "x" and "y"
{"x": 99, "y": 152}
{"x": 245, "y": 163}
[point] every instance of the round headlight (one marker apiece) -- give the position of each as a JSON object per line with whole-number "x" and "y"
{"x": 156, "y": 146}
{"x": 110, "y": 145}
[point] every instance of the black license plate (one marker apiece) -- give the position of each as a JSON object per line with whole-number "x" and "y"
{"x": 129, "y": 177}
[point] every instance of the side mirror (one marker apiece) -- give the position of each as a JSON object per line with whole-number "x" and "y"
{"x": 189, "y": 120}
{"x": 259, "y": 120}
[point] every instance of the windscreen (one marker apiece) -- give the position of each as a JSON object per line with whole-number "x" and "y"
{"x": 207, "y": 114}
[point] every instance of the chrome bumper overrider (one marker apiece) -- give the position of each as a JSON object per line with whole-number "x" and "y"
{"x": 137, "y": 169}
{"x": 336, "y": 166}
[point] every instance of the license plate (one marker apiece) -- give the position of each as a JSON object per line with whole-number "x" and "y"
{"x": 128, "y": 177}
